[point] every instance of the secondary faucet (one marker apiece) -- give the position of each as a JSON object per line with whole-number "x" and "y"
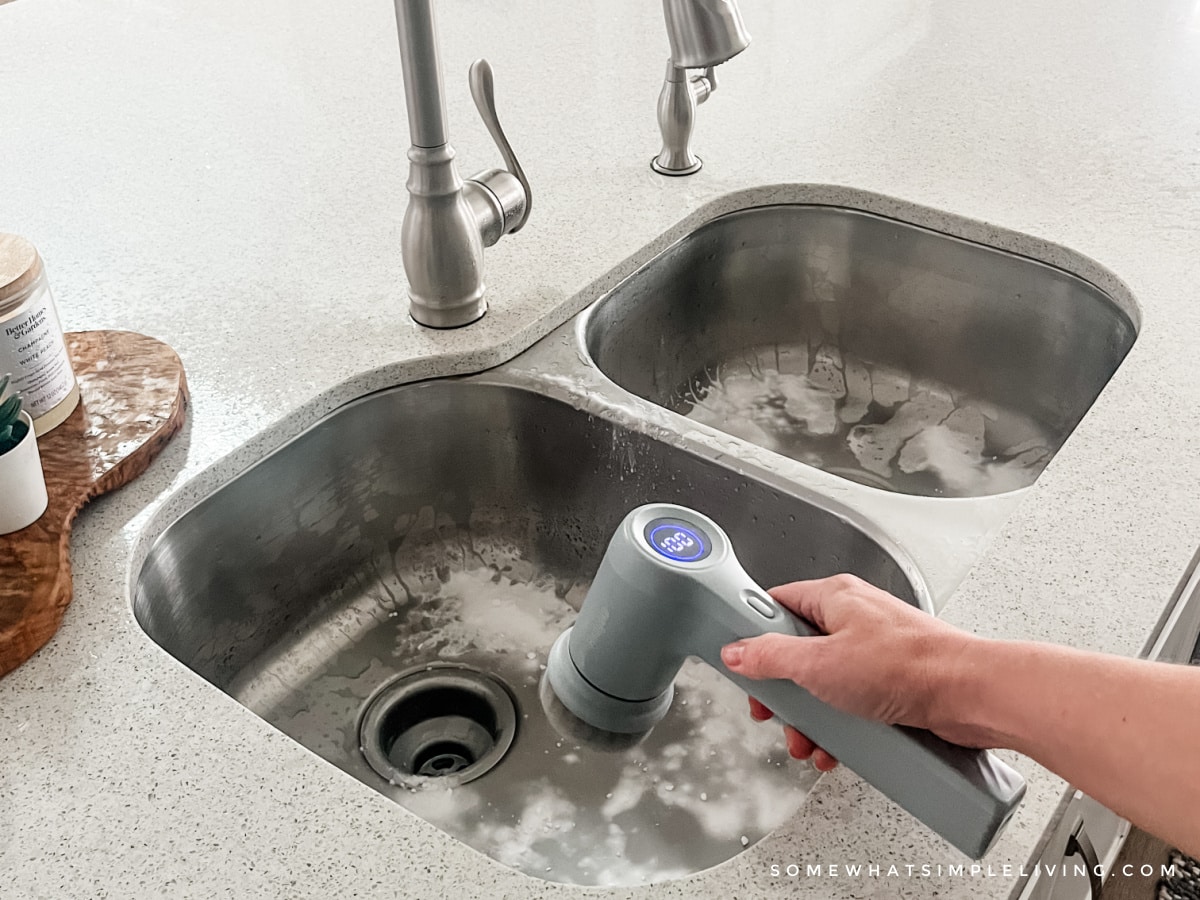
{"x": 703, "y": 34}
{"x": 448, "y": 221}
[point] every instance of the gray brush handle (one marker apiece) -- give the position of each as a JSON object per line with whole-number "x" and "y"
{"x": 965, "y": 795}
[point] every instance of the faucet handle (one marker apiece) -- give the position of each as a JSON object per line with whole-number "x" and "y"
{"x": 483, "y": 92}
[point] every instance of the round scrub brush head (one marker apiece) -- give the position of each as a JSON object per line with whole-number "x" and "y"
{"x": 573, "y": 728}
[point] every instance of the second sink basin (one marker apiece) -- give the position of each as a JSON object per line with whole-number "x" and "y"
{"x": 884, "y": 352}
{"x": 384, "y": 589}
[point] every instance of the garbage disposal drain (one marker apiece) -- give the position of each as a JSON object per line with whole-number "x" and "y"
{"x": 449, "y": 722}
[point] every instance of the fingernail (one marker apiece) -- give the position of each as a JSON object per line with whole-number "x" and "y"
{"x": 731, "y": 654}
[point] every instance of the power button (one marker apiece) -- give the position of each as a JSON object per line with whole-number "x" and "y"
{"x": 760, "y": 603}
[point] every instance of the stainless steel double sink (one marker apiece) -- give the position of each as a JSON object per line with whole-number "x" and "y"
{"x": 384, "y": 588}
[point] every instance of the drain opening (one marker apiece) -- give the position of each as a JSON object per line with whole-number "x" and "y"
{"x": 447, "y": 722}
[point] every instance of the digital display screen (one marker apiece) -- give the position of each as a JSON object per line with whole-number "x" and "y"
{"x": 678, "y": 540}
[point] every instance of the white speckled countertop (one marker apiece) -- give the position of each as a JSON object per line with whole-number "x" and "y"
{"x": 229, "y": 178}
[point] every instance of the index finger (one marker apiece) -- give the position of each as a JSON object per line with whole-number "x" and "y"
{"x": 813, "y": 600}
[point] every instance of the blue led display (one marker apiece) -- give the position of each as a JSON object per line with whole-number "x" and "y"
{"x": 677, "y": 540}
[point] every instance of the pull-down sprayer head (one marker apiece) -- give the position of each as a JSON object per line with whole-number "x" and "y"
{"x": 704, "y": 32}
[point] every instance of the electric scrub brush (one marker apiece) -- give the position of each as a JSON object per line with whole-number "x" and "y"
{"x": 670, "y": 587}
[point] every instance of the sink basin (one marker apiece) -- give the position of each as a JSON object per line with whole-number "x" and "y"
{"x": 385, "y": 588}
{"x": 880, "y": 351}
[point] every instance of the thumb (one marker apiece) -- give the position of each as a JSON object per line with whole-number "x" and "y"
{"x": 773, "y": 656}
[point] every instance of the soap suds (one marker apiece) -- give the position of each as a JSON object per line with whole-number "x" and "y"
{"x": 871, "y": 423}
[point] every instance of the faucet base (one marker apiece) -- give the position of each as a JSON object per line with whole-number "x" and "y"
{"x": 658, "y": 167}
{"x": 437, "y": 317}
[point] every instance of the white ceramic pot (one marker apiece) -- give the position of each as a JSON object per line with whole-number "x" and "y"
{"x": 22, "y": 486}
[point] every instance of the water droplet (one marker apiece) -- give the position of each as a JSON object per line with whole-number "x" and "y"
{"x": 703, "y": 795}
{"x": 745, "y": 841}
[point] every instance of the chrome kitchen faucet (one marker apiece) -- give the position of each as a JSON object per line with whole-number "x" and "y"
{"x": 448, "y": 221}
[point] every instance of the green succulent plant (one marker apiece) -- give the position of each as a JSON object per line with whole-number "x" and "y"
{"x": 12, "y": 429}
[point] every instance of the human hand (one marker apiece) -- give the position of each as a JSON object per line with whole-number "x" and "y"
{"x": 878, "y": 658}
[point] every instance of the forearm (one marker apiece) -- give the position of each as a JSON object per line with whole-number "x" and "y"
{"x": 1126, "y": 732}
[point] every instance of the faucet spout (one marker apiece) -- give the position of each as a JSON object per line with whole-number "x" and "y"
{"x": 422, "y": 68}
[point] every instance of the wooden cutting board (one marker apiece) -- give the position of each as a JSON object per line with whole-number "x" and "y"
{"x": 133, "y": 399}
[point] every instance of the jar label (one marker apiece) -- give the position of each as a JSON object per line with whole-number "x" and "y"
{"x": 33, "y": 352}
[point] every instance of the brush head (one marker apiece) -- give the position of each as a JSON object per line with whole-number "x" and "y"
{"x": 573, "y": 728}
{"x": 581, "y": 712}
